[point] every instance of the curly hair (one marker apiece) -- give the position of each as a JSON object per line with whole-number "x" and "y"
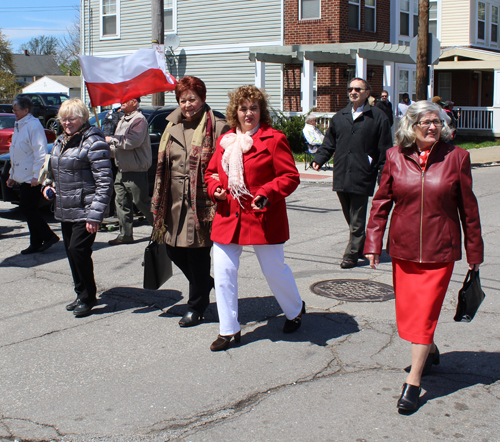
{"x": 189, "y": 83}
{"x": 239, "y": 96}
{"x": 406, "y": 136}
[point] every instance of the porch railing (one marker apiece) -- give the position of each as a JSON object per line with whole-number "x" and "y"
{"x": 476, "y": 118}
{"x": 322, "y": 118}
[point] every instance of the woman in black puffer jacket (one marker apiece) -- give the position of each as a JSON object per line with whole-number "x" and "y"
{"x": 82, "y": 182}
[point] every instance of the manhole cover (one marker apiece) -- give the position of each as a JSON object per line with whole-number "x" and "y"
{"x": 353, "y": 290}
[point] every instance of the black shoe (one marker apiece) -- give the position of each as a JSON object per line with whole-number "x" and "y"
{"x": 348, "y": 264}
{"x": 49, "y": 243}
{"x": 190, "y": 319}
{"x": 292, "y": 325}
{"x": 432, "y": 359}
{"x": 30, "y": 250}
{"x": 222, "y": 342}
{"x": 72, "y": 306}
{"x": 83, "y": 309}
{"x": 408, "y": 400}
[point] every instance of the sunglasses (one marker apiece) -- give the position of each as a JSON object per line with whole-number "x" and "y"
{"x": 357, "y": 89}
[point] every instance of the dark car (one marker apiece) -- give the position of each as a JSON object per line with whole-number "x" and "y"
{"x": 6, "y": 108}
{"x": 7, "y": 123}
{"x": 46, "y": 106}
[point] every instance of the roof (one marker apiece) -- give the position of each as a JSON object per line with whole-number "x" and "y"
{"x": 72, "y": 82}
{"x": 35, "y": 65}
{"x": 375, "y": 52}
{"x": 461, "y": 57}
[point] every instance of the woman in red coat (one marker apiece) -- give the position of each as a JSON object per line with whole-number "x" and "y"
{"x": 429, "y": 182}
{"x": 249, "y": 176}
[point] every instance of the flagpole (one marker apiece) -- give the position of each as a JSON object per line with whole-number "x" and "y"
{"x": 96, "y": 119}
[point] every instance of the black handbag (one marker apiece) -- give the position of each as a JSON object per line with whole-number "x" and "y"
{"x": 470, "y": 297}
{"x": 157, "y": 266}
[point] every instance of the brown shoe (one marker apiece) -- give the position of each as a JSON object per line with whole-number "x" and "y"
{"x": 222, "y": 342}
{"x": 118, "y": 241}
{"x": 348, "y": 264}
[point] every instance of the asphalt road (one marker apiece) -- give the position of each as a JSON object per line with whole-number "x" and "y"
{"x": 130, "y": 373}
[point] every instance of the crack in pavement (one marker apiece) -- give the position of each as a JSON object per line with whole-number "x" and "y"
{"x": 3, "y": 422}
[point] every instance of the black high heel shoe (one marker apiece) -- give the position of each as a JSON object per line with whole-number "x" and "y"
{"x": 292, "y": 325}
{"x": 190, "y": 319}
{"x": 408, "y": 401}
{"x": 432, "y": 359}
{"x": 222, "y": 342}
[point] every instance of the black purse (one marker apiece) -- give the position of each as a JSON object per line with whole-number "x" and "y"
{"x": 470, "y": 297}
{"x": 157, "y": 266}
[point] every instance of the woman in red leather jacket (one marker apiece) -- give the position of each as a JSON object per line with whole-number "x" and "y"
{"x": 429, "y": 183}
{"x": 249, "y": 176}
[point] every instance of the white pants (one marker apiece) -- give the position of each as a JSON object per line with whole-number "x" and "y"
{"x": 278, "y": 275}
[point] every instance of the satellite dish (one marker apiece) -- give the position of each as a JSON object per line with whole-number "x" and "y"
{"x": 172, "y": 41}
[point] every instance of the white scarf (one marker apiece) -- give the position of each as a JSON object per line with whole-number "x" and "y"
{"x": 235, "y": 145}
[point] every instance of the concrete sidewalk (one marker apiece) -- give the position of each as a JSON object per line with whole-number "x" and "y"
{"x": 479, "y": 157}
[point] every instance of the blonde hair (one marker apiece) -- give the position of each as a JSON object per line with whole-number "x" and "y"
{"x": 242, "y": 94}
{"x": 406, "y": 136}
{"x": 74, "y": 107}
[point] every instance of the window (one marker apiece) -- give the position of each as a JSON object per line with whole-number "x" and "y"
{"x": 481, "y": 20}
{"x": 170, "y": 15}
{"x": 309, "y": 9}
{"x": 415, "y": 18}
{"x": 370, "y": 15}
{"x": 404, "y": 17}
{"x": 494, "y": 24}
{"x": 353, "y": 19}
{"x": 444, "y": 85}
{"x": 433, "y": 15}
{"x": 110, "y": 18}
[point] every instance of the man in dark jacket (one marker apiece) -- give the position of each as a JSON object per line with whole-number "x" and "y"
{"x": 385, "y": 105}
{"x": 111, "y": 120}
{"x": 359, "y": 136}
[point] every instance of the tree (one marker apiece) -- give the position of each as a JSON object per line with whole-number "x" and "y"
{"x": 6, "y": 61}
{"x": 41, "y": 45}
{"x": 9, "y": 88}
{"x": 70, "y": 49}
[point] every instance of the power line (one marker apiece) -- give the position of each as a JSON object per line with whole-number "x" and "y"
{"x": 35, "y": 29}
{"x": 39, "y": 8}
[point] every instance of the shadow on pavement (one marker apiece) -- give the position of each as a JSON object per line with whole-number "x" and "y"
{"x": 136, "y": 299}
{"x": 458, "y": 370}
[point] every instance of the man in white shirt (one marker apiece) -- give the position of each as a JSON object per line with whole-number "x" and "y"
{"x": 314, "y": 137}
{"x": 27, "y": 155}
{"x": 404, "y": 105}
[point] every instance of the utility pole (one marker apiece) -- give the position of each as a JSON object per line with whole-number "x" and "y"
{"x": 422, "y": 49}
{"x": 158, "y": 36}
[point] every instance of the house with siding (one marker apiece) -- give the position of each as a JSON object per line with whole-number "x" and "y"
{"x": 304, "y": 52}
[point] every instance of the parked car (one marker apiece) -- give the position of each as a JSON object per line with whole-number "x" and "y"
{"x": 6, "y": 108}
{"x": 46, "y": 106}
{"x": 7, "y": 123}
{"x": 156, "y": 117}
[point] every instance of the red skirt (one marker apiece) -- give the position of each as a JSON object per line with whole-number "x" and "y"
{"x": 420, "y": 290}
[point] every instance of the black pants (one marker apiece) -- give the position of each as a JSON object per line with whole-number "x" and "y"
{"x": 28, "y": 204}
{"x": 354, "y": 207}
{"x": 78, "y": 244}
{"x": 195, "y": 264}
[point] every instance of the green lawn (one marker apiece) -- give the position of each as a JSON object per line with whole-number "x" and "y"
{"x": 476, "y": 143}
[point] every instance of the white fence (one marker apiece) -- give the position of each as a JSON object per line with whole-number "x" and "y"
{"x": 476, "y": 118}
{"x": 322, "y": 118}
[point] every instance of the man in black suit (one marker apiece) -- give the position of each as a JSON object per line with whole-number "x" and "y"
{"x": 385, "y": 105}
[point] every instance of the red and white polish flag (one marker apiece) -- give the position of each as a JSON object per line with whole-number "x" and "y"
{"x": 117, "y": 80}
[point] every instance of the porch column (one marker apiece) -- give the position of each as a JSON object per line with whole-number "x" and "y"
{"x": 260, "y": 74}
{"x": 496, "y": 102}
{"x": 388, "y": 80}
{"x": 306, "y": 84}
{"x": 361, "y": 67}
{"x": 496, "y": 88}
